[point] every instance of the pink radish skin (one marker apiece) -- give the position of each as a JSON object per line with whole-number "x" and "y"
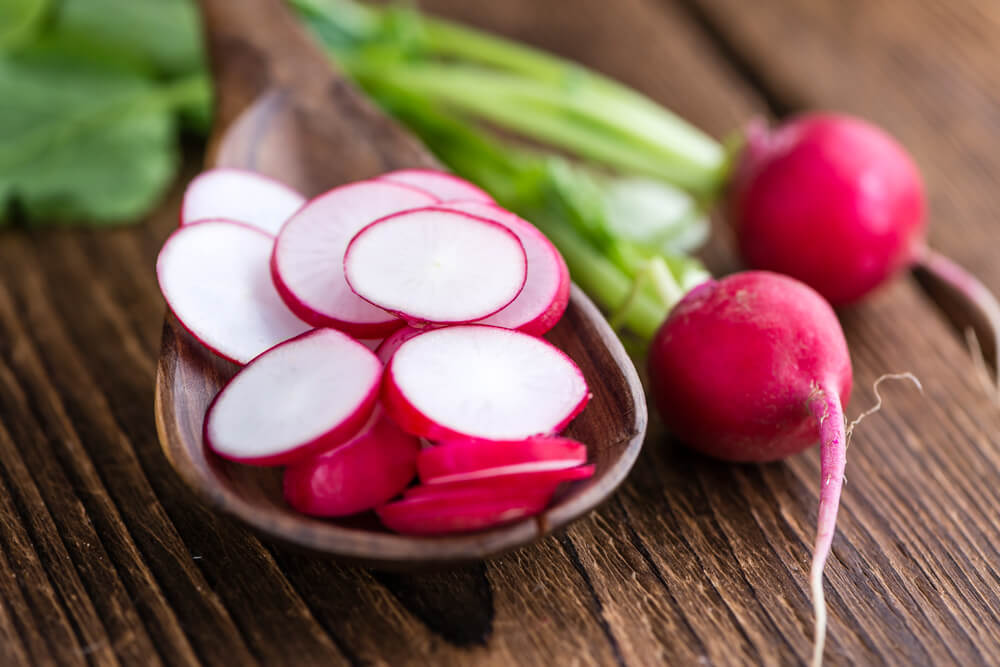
{"x": 214, "y": 276}
{"x": 242, "y": 196}
{"x": 471, "y": 460}
{"x": 436, "y": 266}
{"x": 831, "y": 200}
{"x": 443, "y": 516}
{"x": 300, "y": 398}
{"x": 442, "y": 185}
{"x": 307, "y": 261}
{"x": 368, "y": 470}
{"x": 482, "y": 383}
{"x": 752, "y": 368}
{"x": 388, "y": 347}
{"x": 542, "y": 302}
{"x": 541, "y": 484}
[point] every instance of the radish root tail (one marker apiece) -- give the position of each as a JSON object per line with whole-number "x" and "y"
{"x": 977, "y": 294}
{"x": 824, "y": 404}
{"x": 834, "y": 434}
{"x": 878, "y": 398}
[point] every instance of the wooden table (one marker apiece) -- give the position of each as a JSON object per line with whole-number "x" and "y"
{"x": 106, "y": 558}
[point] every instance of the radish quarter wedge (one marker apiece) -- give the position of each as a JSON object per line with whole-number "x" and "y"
{"x": 375, "y": 465}
{"x": 482, "y": 383}
{"x": 446, "y": 187}
{"x": 214, "y": 276}
{"x": 471, "y": 460}
{"x": 296, "y": 400}
{"x": 434, "y": 265}
{"x": 307, "y": 264}
{"x": 241, "y": 196}
{"x": 545, "y": 296}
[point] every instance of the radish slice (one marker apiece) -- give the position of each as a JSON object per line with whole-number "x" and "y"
{"x": 375, "y": 465}
{"x": 299, "y": 398}
{"x": 389, "y": 346}
{"x": 417, "y": 516}
{"x": 471, "y": 460}
{"x": 214, "y": 276}
{"x": 545, "y": 296}
{"x": 307, "y": 264}
{"x": 435, "y": 265}
{"x": 446, "y": 187}
{"x": 497, "y": 486}
{"x": 242, "y": 196}
{"x": 483, "y": 383}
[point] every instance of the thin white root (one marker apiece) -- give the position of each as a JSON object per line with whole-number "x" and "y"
{"x": 819, "y": 630}
{"x": 979, "y": 361}
{"x": 878, "y": 404}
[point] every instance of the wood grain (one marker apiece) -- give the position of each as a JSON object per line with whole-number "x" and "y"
{"x": 692, "y": 562}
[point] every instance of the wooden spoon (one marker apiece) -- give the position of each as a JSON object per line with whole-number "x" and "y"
{"x": 283, "y": 111}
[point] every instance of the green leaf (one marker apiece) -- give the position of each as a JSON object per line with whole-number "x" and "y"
{"x": 159, "y": 37}
{"x": 655, "y": 214}
{"x": 79, "y": 143}
{"x": 19, "y": 21}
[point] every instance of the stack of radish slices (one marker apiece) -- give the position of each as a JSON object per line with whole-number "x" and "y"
{"x": 389, "y": 329}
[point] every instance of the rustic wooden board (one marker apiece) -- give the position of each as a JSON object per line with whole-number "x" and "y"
{"x": 106, "y": 558}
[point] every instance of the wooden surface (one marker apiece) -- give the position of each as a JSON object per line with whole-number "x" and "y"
{"x": 106, "y": 558}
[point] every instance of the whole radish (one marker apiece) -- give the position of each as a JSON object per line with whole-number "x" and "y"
{"x": 754, "y": 367}
{"x": 836, "y": 202}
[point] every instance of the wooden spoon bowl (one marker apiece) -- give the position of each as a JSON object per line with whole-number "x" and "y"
{"x": 284, "y": 112}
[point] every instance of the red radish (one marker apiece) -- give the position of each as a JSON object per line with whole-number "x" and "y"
{"x": 442, "y": 515}
{"x": 372, "y": 467}
{"x": 391, "y": 343}
{"x": 299, "y": 398}
{"x": 435, "y": 265}
{"x": 242, "y": 196}
{"x": 307, "y": 261}
{"x": 472, "y": 460}
{"x": 484, "y": 383}
{"x": 506, "y": 484}
{"x": 446, "y": 187}
{"x": 545, "y": 296}
{"x": 215, "y": 278}
{"x": 754, "y": 367}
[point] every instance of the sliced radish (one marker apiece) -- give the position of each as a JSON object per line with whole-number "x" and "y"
{"x": 391, "y": 343}
{"x": 446, "y": 187}
{"x": 372, "y": 467}
{"x": 435, "y": 265}
{"x": 471, "y": 460}
{"x": 502, "y": 486}
{"x": 215, "y": 278}
{"x": 241, "y": 196}
{"x": 307, "y": 264}
{"x": 297, "y": 399}
{"x": 418, "y": 516}
{"x": 546, "y": 290}
{"x": 483, "y": 383}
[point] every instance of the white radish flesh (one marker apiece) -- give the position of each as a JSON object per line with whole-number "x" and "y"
{"x": 241, "y": 196}
{"x": 446, "y": 187}
{"x": 307, "y": 265}
{"x": 374, "y": 466}
{"x": 470, "y": 460}
{"x": 214, "y": 276}
{"x": 483, "y": 383}
{"x": 435, "y": 265}
{"x": 298, "y": 399}
{"x": 545, "y": 296}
